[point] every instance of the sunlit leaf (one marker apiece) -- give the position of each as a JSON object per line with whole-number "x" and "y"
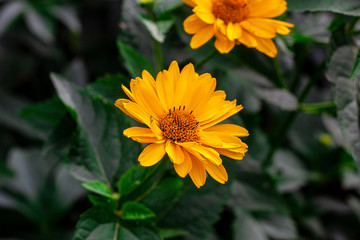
{"x": 136, "y": 211}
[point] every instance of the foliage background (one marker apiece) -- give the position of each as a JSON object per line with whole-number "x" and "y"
{"x": 299, "y": 179}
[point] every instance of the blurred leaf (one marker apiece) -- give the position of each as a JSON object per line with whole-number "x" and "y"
{"x": 97, "y": 152}
{"x": 159, "y": 28}
{"x": 245, "y": 227}
{"x": 134, "y": 61}
{"x": 318, "y": 108}
{"x": 289, "y": 171}
{"x": 171, "y": 233}
{"x": 165, "y": 6}
{"x": 10, "y": 107}
{"x": 145, "y": 234}
{"x": 38, "y": 25}
{"x": 43, "y": 117}
{"x": 349, "y": 7}
{"x": 340, "y": 69}
{"x": 132, "y": 179}
{"x": 356, "y": 69}
{"x": 98, "y": 187}
{"x": 277, "y": 226}
{"x": 265, "y": 90}
{"x": 100, "y": 201}
{"x": 5, "y": 171}
{"x": 355, "y": 205}
{"x": 197, "y": 210}
{"x": 136, "y": 211}
{"x": 9, "y": 12}
{"x": 76, "y": 72}
{"x": 67, "y": 15}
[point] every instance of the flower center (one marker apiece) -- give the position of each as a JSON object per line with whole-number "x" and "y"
{"x": 179, "y": 125}
{"x": 231, "y": 10}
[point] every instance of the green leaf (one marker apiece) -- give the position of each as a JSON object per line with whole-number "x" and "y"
{"x": 43, "y": 117}
{"x": 99, "y": 188}
{"x": 162, "y": 198}
{"x": 356, "y": 69}
{"x": 171, "y": 233}
{"x": 99, "y": 151}
{"x": 132, "y": 179}
{"x": 245, "y": 227}
{"x": 109, "y": 87}
{"x": 9, "y": 12}
{"x": 197, "y": 210}
{"x": 166, "y": 6}
{"x": 134, "y": 62}
{"x": 339, "y": 73}
{"x": 136, "y": 211}
{"x": 99, "y": 223}
{"x": 349, "y": 7}
{"x": 100, "y": 201}
{"x": 159, "y": 28}
{"x": 145, "y": 234}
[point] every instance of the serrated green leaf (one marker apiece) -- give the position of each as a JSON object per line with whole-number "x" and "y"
{"x": 349, "y": 7}
{"x": 134, "y": 62}
{"x": 98, "y": 187}
{"x": 98, "y": 151}
{"x": 136, "y": 211}
{"x": 132, "y": 179}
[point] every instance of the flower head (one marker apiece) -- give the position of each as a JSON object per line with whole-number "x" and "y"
{"x": 236, "y": 21}
{"x": 181, "y": 111}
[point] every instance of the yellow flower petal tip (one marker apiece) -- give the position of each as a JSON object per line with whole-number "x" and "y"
{"x": 181, "y": 112}
{"x": 247, "y": 22}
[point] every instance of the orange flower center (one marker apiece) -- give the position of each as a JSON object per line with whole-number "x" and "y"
{"x": 179, "y": 125}
{"x": 231, "y": 10}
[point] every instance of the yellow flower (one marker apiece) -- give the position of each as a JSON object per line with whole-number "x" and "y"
{"x": 236, "y": 21}
{"x": 181, "y": 110}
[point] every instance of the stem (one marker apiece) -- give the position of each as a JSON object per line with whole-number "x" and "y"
{"x": 290, "y": 118}
{"x": 280, "y": 80}
{"x": 157, "y": 45}
{"x": 205, "y": 59}
{"x": 316, "y": 108}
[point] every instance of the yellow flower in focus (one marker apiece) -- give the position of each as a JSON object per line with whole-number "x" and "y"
{"x": 236, "y": 21}
{"x": 181, "y": 110}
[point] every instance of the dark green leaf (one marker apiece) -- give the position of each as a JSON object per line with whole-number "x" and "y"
{"x": 136, "y": 211}
{"x": 197, "y": 210}
{"x": 37, "y": 25}
{"x": 99, "y": 151}
{"x": 356, "y": 69}
{"x": 99, "y": 188}
{"x": 349, "y": 7}
{"x": 132, "y": 179}
{"x": 145, "y": 234}
{"x": 100, "y": 201}
{"x": 340, "y": 70}
{"x": 43, "y": 117}
{"x": 134, "y": 62}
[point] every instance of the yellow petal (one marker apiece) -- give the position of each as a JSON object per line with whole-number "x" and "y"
{"x": 128, "y": 93}
{"x": 138, "y": 132}
{"x": 204, "y": 11}
{"x": 193, "y": 24}
{"x": 248, "y": 39}
{"x": 133, "y": 110}
{"x": 217, "y": 172}
{"x": 267, "y": 46}
{"x": 224, "y": 45}
{"x": 231, "y": 129}
{"x": 234, "y": 31}
{"x": 175, "y": 152}
{"x": 231, "y": 154}
{"x": 210, "y": 139}
{"x": 152, "y": 154}
{"x": 202, "y": 36}
{"x": 256, "y": 28}
{"x": 182, "y": 85}
{"x": 155, "y": 129}
{"x": 183, "y": 168}
{"x": 197, "y": 173}
{"x": 206, "y": 152}
{"x": 267, "y": 8}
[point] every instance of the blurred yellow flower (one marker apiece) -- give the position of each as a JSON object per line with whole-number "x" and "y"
{"x": 236, "y": 21}
{"x": 181, "y": 110}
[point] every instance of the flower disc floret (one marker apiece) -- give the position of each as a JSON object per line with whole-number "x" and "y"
{"x": 234, "y": 11}
{"x": 178, "y": 125}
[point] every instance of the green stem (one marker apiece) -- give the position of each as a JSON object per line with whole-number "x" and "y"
{"x": 205, "y": 59}
{"x": 315, "y": 108}
{"x": 280, "y": 80}
{"x": 278, "y": 139}
{"x": 157, "y": 45}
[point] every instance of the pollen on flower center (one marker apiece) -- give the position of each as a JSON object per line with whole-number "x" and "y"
{"x": 179, "y": 125}
{"x": 231, "y": 10}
